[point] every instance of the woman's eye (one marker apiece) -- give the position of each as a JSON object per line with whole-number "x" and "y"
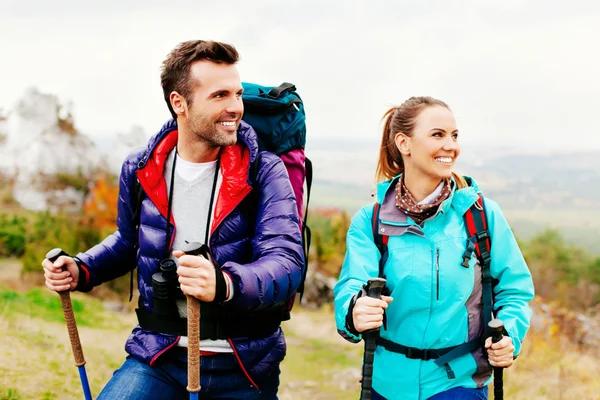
{"x": 455, "y": 136}
{"x": 437, "y": 134}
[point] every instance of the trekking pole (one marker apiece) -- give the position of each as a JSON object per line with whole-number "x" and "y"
{"x": 374, "y": 287}
{"x": 497, "y": 328}
{"x": 193, "y": 330}
{"x": 67, "y": 306}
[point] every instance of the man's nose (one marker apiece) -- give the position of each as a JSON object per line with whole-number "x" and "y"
{"x": 235, "y": 106}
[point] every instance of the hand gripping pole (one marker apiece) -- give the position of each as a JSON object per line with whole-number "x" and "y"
{"x": 193, "y": 330}
{"x": 67, "y": 306}
{"x": 497, "y": 328}
{"x": 373, "y": 288}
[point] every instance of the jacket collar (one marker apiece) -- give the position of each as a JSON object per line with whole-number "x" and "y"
{"x": 235, "y": 168}
{"x": 461, "y": 200}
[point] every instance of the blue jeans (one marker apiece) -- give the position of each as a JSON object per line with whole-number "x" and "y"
{"x": 459, "y": 393}
{"x": 220, "y": 378}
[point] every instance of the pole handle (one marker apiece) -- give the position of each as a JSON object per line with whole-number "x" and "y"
{"x": 193, "y": 329}
{"x": 374, "y": 287}
{"x": 497, "y": 328}
{"x": 67, "y": 306}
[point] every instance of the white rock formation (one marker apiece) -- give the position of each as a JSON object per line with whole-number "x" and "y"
{"x": 37, "y": 142}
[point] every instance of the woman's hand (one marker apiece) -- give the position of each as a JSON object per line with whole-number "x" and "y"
{"x": 500, "y": 354}
{"x": 368, "y": 312}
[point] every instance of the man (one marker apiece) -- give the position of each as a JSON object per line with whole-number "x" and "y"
{"x": 195, "y": 173}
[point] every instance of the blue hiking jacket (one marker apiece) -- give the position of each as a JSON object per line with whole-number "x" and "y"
{"x": 260, "y": 250}
{"x": 437, "y": 302}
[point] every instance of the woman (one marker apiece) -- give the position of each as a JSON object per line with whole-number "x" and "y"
{"x": 436, "y": 299}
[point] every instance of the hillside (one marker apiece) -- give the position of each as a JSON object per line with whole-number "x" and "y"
{"x": 535, "y": 191}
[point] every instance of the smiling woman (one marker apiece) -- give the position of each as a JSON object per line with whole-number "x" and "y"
{"x": 429, "y": 236}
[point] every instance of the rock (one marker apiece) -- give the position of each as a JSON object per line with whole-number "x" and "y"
{"x": 318, "y": 289}
{"x": 50, "y": 162}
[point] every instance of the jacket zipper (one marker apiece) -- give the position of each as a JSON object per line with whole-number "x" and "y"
{"x": 437, "y": 273}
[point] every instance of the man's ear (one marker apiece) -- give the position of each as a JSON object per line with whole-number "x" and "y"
{"x": 178, "y": 103}
{"x": 402, "y": 143}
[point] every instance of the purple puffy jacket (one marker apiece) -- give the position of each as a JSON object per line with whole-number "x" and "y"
{"x": 261, "y": 251}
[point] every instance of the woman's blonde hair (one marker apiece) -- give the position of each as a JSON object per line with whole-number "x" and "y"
{"x": 402, "y": 119}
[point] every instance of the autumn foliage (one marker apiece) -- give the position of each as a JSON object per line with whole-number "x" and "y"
{"x": 100, "y": 207}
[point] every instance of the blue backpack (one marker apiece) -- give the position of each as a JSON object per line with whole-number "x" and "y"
{"x": 277, "y": 115}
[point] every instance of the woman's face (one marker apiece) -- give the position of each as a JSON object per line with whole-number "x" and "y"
{"x": 433, "y": 148}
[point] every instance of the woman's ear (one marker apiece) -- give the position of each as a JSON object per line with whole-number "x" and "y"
{"x": 402, "y": 143}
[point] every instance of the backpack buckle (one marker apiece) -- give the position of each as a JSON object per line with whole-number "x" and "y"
{"x": 486, "y": 258}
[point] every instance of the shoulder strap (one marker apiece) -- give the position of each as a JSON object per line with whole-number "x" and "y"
{"x": 381, "y": 241}
{"x": 306, "y": 232}
{"x": 480, "y": 242}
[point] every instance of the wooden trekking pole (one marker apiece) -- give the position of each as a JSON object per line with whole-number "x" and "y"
{"x": 193, "y": 330}
{"x": 67, "y": 306}
{"x": 373, "y": 288}
{"x": 497, "y": 328}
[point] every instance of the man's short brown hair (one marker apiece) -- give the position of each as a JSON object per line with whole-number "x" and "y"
{"x": 175, "y": 74}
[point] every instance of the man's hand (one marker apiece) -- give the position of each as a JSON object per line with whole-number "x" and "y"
{"x": 57, "y": 279}
{"x": 500, "y": 354}
{"x": 197, "y": 276}
{"x": 368, "y": 312}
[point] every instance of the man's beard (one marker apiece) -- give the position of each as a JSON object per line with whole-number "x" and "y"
{"x": 206, "y": 130}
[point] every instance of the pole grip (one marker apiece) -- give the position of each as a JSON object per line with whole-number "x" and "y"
{"x": 193, "y": 326}
{"x": 193, "y": 330}
{"x": 67, "y": 306}
{"x": 497, "y": 328}
{"x": 374, "y": 287}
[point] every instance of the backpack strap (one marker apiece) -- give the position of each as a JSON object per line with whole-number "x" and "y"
{"x": 381, "y": 241}
{"x": 306, "y": 232}
{"x": 479, "y": 241}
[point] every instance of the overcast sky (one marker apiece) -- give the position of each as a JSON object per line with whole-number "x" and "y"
{"x": 516, "y": 73}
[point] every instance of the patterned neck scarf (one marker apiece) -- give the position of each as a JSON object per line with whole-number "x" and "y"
{"x": 406, "y": 202}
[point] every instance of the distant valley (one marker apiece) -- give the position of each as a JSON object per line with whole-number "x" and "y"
{"x": 536, "y": 191}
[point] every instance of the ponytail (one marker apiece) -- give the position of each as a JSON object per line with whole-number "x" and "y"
{"x": 390, "y": 160}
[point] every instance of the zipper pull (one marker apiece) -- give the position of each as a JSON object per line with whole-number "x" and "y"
{"x": 437, "y": 273}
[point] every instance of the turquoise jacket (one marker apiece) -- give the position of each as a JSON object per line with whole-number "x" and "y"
{"x": 437, "y": 302}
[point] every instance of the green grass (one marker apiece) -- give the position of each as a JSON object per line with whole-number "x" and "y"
{"x": 43, "y": 304}
{"x": 9, "y": 394}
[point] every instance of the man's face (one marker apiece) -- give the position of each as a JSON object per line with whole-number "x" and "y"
{"x": 215, "y": 108}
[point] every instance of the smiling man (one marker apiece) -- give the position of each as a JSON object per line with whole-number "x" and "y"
{"x": 197, "y": 187}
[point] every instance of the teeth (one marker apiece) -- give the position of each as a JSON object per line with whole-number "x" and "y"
{"x": 445, "y": 160}
{"x": 227, "y": 123}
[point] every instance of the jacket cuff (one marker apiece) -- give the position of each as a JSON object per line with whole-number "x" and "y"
{"x": 349, "y": 320}
{"x": 84, "y": 276}
{"x": 229, "y": 284}
{"x": 221, "y": 286}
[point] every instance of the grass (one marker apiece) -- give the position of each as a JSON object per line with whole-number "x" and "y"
{"x": 41, "y": 303}
{"x": 36, "y": 360}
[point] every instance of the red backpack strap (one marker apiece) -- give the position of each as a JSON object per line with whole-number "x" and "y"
{"x": 381, "y": 241}
{"x": 480, "y": 242}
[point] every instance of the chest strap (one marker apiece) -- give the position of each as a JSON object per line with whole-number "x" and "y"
{"x": 413, "y": 352}
{"x": 441, "y": 356}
